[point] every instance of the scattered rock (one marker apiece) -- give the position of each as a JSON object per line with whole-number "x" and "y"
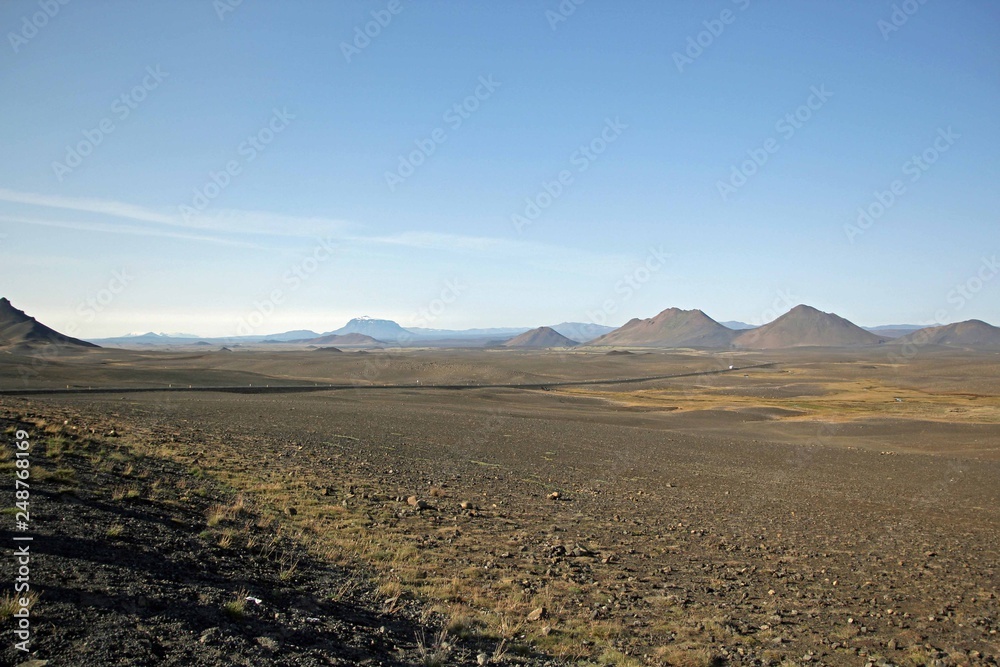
{"x": 555, "y": 495}
{"x": 537, "y": 614}
{"x": 413, "y": 501}
{"x": 210, "y": 636}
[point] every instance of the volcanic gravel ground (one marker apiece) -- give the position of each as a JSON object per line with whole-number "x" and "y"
{"x": 762, "y": 551}
{"x": 128, "y": 574}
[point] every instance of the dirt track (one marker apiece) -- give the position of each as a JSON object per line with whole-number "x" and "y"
{"x": 298, "y": 388}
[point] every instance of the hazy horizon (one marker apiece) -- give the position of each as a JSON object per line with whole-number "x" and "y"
{"x": 242, "y": 329}
{"x": 194, "y": 166}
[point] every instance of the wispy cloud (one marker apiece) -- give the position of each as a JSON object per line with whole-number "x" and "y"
{"x": 245, "y": 229}
{"x": 81, "y": 204}
{"x": 131, "y": 230}
{"x": 152, "y": 221}
{"x": 438, "y": 241}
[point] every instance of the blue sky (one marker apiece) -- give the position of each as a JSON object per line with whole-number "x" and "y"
{"x": 182, "y": 167}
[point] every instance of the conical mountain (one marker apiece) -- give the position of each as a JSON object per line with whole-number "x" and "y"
{"x": 806, "y": 326}
{"x": 540, "y": 337}
{"x": 19, "y": 329}
{"x": 671, "y": 328}
{"x": 971, "y": 333}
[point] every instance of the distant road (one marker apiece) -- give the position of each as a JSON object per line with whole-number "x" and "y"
{"x": 302, "y": 388}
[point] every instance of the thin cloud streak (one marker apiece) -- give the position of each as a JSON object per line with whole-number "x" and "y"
{"x": 127, "y": 229}
{"x": 227, "y": 221}
{"x": 220, "y": 227}
{"x": 87, "y": 205}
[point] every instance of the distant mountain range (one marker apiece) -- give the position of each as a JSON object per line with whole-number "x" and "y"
{"x": 894, "y": 330}
{"x": 387, "y": 330}
{"x": 343, "y": 340}
{"x": 736, "y": 325}
{"x": 672, "y": 328}
{"x": 150, "y": 334}
{"x": 383, "y": 330}
{"x": 297, "y": 334}
{"x": 581, "y": 332}
{"x": 377, "y": 331}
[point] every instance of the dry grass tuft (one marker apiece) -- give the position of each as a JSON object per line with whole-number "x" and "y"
{"x": 236, "y": 608}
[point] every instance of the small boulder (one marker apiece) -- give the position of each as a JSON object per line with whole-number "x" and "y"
{"x": 536, "y": 614}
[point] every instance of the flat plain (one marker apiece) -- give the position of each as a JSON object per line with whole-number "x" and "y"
{"x": 807, "y": 506}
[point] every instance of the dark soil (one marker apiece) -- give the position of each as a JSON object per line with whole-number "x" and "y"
{"x": 129, "y": 573}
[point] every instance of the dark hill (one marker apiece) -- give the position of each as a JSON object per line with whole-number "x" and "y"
{"x": 671, "y": 328}
{"x": 540, "y": 338}
{"x": 20, "y": 330}
{"x": 971, "y": 333}
{"x": 806, "y": 326}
